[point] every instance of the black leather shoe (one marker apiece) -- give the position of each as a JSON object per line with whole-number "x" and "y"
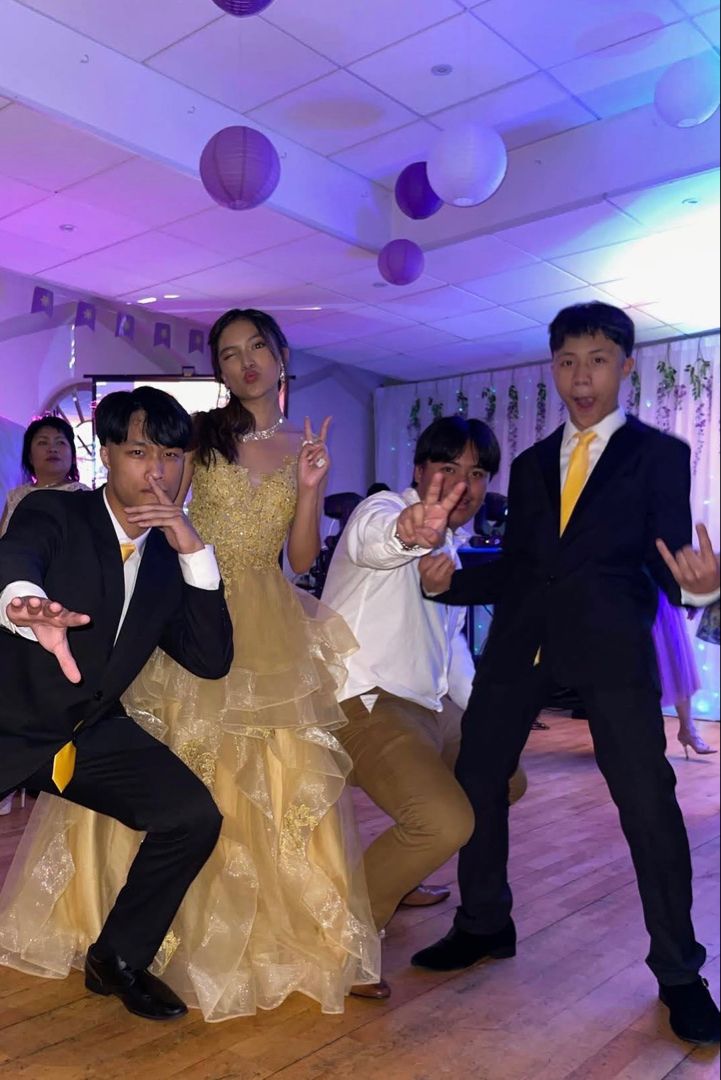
{"x": 694, "y": 1016}
{"x": 140, "y": 992}
{"x": 459, "y": 950}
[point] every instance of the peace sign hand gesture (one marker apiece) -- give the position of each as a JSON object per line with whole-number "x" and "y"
{"x": 50, "y": 622}
{"x": 424, "y": 523}
{"x": 697, "y": 572}
{"x": 314, "y": 459}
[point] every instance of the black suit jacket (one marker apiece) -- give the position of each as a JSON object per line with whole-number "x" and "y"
{"x": 65, "y": 543}
{"x": 588, "y": 598}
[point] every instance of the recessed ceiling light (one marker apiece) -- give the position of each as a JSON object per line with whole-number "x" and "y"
{"x": 690, "y": 202}
{"x": 67, "y": 227}
{"x": 380, "y": 284}
{"x": 171, "y": 296}
{"x": 442, "y": 69}
{"x": 148, "y": 300}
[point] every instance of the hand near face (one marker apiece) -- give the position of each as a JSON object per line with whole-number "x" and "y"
{"x": 696, "y": 572}
{"x": 50, "y": 622}
{"x": 436, "y": 573}
{"x": 424, "y": 523}
{"x": 167, "y": 517}
{"x": 314, "y": 459}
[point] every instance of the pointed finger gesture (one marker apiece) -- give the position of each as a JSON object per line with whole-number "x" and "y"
{"x": 696, "y": 572}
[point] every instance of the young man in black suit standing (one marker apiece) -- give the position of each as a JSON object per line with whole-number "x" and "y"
{"x": 90, "y": 584}
{"x": 595, "y": 512}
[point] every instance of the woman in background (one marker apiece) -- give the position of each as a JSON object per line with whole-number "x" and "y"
{"x": 679, "y": 675}
{"x": 49, "y": 460}
{"x": 281, "y": 906}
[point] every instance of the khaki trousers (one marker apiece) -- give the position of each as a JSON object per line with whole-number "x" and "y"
{"x": 404, "y": 758}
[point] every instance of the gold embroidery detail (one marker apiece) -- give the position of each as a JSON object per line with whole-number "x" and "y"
{"x": 166, "y": 952}
{"x": 298, "y": 823}
{"x": 199, "y": 759}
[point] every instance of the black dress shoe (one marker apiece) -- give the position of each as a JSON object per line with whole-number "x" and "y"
{"x": 459, "y": 950}
{"x": 140, "y": 992}
{"x": 694, "y": 1016}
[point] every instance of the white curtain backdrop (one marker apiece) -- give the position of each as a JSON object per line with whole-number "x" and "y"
{"x": 675, "y": 387}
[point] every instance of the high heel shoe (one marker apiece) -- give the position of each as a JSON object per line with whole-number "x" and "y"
{"x": 7, "y": 804}
{"x": 697, "y": 744}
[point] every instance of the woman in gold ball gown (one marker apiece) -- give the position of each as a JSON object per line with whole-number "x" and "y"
{"x": 281, "y": 906}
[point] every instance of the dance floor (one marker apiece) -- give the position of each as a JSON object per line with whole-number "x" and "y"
{"x": 577, "y": 1001}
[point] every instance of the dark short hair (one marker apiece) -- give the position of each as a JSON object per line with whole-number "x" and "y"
{"x": 446, "y": 439}
{"x": 375, "y": 489}
{"x": 593, "y": 318}
{"x": 166, "y": 421}
{"x": 31, "y": 431}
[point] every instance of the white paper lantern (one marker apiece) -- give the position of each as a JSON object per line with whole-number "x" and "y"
{"x": 467, "y": 164}
{"x": 688, "y": 93}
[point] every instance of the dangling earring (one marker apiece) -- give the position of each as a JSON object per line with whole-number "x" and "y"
{"x": 283, "y": 377}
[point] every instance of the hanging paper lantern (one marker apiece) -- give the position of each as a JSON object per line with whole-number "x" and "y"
{"x": 239, "y": 168}
{"x": 689, "y": 92}
{"x": 467, "y": 164}
{"x": 414, "y": 195}
{"x": 401, "y": 262}
{"x": 241, "y": 8}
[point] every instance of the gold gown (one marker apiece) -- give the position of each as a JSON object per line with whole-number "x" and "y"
{"x": 282, "y": 904}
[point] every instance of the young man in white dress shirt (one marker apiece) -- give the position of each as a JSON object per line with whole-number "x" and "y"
{"x": 410, "y": 681}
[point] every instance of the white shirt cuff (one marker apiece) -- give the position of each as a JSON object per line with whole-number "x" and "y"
{"x": 200, "y": 569}
{"x": 689, "y": 599}
{"x": 11, "y": 592}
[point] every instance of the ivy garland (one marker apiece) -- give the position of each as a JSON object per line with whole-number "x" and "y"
{"x": 541, "y": 404}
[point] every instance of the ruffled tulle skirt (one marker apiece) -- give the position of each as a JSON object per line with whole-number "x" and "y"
{"x": 281, "y": 906}
{"x": 674, "y": 652}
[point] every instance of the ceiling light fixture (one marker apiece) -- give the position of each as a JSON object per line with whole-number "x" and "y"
{"x": 171, "y": 296}
{"x": 440, "y": 70}
{"x": 148, "y": 300}
{"x": 67, "y": 227}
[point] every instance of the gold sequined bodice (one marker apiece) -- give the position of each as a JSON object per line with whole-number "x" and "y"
{"x": 247, "y": 521}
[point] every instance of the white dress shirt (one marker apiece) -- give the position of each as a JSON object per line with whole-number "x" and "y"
{"x": 409, "y": 647}
{"x": 603, "y": 431}
{"x": 199, "y": 569}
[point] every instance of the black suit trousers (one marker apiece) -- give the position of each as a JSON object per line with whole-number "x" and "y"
{"x": 123, "y": 772}
{"x": 628, "y": 736}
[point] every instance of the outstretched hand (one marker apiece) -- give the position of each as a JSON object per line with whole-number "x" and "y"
{"x": 424, "y": 523}
{"x": 694, "y": 571}
{"x": 50, "y": 622}
{"x": 169, "y": 518}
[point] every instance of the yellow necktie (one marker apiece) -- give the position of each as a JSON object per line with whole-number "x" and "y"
{"x": 576, "y": 476}
{"x": 64, "y": 760}
{"x": 126, "y": 550}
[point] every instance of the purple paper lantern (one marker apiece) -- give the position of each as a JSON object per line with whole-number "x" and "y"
{"x": 401, "y": 262}
{"x": 414, "y": 195}
{"x": 239, "y": 168}
{"x": 241, "y": 8}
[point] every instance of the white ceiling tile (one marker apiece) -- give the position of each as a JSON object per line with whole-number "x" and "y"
{"x": 14, "y": 195}
{"x": 438, "y": 303}
{"x": 461, "y": 357}
{"x": 710, "y": 26}
{"x": 475, "y": 258}
{"x": 162, "y": 257}
{"x": 523, "y": 112}
{"x": 404, "y": 70}
{"x": 667, "y": 205}
{"x": 5, "y": 102}
{"x": 145, "y": 191}
{"x": 517, "y": 346}
{"x": 577, "y": 230}
{"x": 616, "y": 261}
{"x": 312, "y": 335}
{"x": 360, "y": 354}
{"x": 303, "y": 303}
{"x": 526, "y": 283}
{"x": 241, "y": 62}
{"x": 350, "y": 32}
{"x": 92, "y": 228}
{"x": 48, "y": 154}
{"x": 238, "y": 233}
{"x": 135, "y": 27}
{"x": 632, "y": 291}
{"x": 98, "y": 276}
{"x": 644, "y": 55}
{"x": 696, "y": 7}
{"x": 368, "y": 286}
{"x": 314, "y": 258}
{"x": 683, "y": 311}
{"x": 482, "y": 324}
{"x": 409, "y": 339}
{"x": 237, "y": 282}
{"x": 383, "y": 158}
{"x": 643, "y": 321}
{"x": 358, "y": 323}
{"x": 333, "y": 113}
{"x": 663, "y": 333}
{"x": 26, "y": 256}
{"x": 545, "y": 308}
{"x": 551, "y": 32}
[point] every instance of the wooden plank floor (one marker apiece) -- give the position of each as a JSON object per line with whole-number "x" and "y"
{"x": 577, "y": 1003}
